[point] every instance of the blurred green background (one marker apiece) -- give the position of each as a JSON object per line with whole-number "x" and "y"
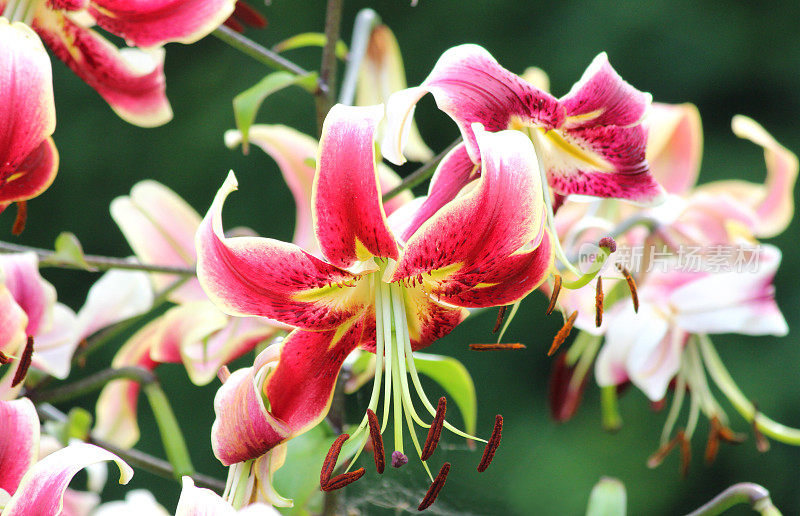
{"x": 725, "y": 57}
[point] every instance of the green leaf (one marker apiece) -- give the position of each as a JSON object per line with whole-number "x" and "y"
{"x": 608, "y": 498}
{"x": 310, "y": 39}
{"x": 247, "y": 103}
{"x": 455, "y": 379}
{"x": 69, "y": 251}
{"x": 298, "y": 478}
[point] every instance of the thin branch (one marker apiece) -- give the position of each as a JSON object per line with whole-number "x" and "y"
{"x": 52, "y": 259}
{"x": 327, "y": 70}
{"x": 366, "y": 20}
{"x": 91, "y": 383}
{"x": 421, "y": 174}
{"x": 745, "y": 492}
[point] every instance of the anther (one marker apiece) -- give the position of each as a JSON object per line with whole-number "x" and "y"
{"x": 719, "y": 433}
{"x": 435, "y": 431}
{"x": 330, "y": 460}
{"x": 223, "y": 374}
{"x": 500, "y": 314}
{"x": 608, "y": 243}
{"x": 24, "y": 363}
{"x": 631, "y": 286}
{"x": 762, "y": 444}
{"x": 345, "y": 479}
{"x": 598, "y": 303}
{"x": 496, "y": 346}
{"x": 554, "y": 295}
{"x": 399, "y": 459}
{"x": 436, "y": 487}
{"x": 685, "y": 449}
{"x": 686, "y": 453}
{"x": 22, "y": 217}
{"x": 492, "y": 445}
{"x": 4, "y": 359}
{"x": 377, "y": 441}
{"x": 562, "y": 334}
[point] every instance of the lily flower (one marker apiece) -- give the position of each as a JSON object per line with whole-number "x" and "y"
{"x": 28, "y": 156}
{"x": 28, "y": 486}
{"x": 373, "y": 291}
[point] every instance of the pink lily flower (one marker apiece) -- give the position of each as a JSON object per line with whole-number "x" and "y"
{"x": 371, "y": 290}
{"x": 28, "y": 156}
{"x": 28, "y": 486}
{"x": 590, "y": 142}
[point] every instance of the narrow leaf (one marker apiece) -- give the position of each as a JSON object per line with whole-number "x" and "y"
{"x": 310, "y": 39}
{"x": 69, "y": 251}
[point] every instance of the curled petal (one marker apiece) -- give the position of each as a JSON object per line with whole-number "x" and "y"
{"x": 116, "y": 296}
{"x": 32, "y": 176}
{"x": 470, "y": 86}
{"x": 470, "y": 239}
{"x": 147, "y": 23}
{"x": 31, "y": 291}
{"x": 772, "y": 201}
{"x": 19, "y": 441}
{"x": 674, "y": 145}
{"x": 350, "y": 232}
{"x": 130, "y": 80}
{"x": 264, "y": 277}
{"x": 41, "y": 490}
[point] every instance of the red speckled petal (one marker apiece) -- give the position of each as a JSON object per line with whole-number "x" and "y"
{"x": 32, "y": 176}
{"x": 19, "y": 441}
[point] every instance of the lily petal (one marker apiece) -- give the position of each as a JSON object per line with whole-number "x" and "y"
{"x": 55, "y": 346}
{"x": 247, "y": 276}
{"x": 471, "y": 239}
{"x": 32, "y": 292}
{"x": 470, "y": 86}
{"x": 130, "y": 80}
{"x": 116, "y": 296}
{"x": 197, "y": 501}
{"x": 41, "y": 490}
{"x": 33, "y": 176}
{"x": 772, "y": 201}
{"x": 147, "y": 23}
{"x": 428, "y": 320}
{"x": 19, "y": 445}
{"x": 674, "y": 145}
{"x": 350, "y": 232}
{"x": 13, "y": 321}
{"x": 138, "y": 502}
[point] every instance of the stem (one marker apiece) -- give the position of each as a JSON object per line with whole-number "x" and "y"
{"x": 327, "y": 71}
{"x": 261, "y": 54}
{"x": 366, "y": 20}
{"x": 92, "y": 383}
{"x": 745, "y": 492}
{"x": 171, "y": 436}
{"x": 135, "y": 458}
{"x": 421, "y": 174}
{"x": 99, "y": 262}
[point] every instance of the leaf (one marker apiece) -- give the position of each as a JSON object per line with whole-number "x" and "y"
{"x": 310, "y": 39}
{"x": 68, "y": 251}
{"x": 455, "y": 379}
{"x": 608, "y": 498}
{"x": 247, "y": 103}
{"x": 298, "y": 478}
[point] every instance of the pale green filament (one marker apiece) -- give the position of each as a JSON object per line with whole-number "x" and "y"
{"x": 677, "y": 403}
{"x": 21, "y": 10}
{"x": 236, "y": 487}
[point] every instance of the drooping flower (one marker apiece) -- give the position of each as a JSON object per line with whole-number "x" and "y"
{"x": 487, "y": 247}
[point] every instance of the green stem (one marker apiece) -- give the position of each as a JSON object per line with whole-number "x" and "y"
{"x": 421, "y": 174}
{"x": 612, "y": 421}
{"x": 745, "y": 492}
{"x": 327, "y": 70}
{"x": 171, "y": 436}
{"x": 366, "y": 20}
{"x": 723, "y": 380}
{"x": 102, "y": 263}
{"x": 261, "y": 54}
{"x": 91, "y": 383}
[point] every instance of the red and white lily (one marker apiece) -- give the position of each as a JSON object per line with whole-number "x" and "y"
{"x": 487, "y": 247}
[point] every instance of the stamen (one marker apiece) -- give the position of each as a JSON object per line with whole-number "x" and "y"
{"x": 496, "y": 346}
{"x": 608, "y": 243}
{"x": 686, "y": 454}
{"x": 435, "y": 431}
{"x": 330, "y": 460}
{"x": 598, "y": 303}
{"x": 345, "y": 479}
{"x": 436, "y": 487}
{"x": 24, "y": 363}
{"x": 554, "y": 295}
{"x": 399, "y": 459}
{"x": 762, "y": 444}
{"x": 22, "y": 217}
{"x": 685, "y": 449}
{"x": 562, "y": 334}
{"x": 631, "y": 286}
{"x": 377, "y": 441}
{"x": 223, "y": 374}
{"x": 500, "y": 314}
{"x": 4, "y": 359}
{"x": 492, "y": 445}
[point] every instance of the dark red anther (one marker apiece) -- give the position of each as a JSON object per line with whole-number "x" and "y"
{"x": 608, "y": 243}
{"x": 330, "y": 460}
{"x": 492, "y": 445}
{"x": 500, "y": 314}
{"x": 22, "y": 217}
{"x": 598, "y": 303}
{"x": 565, "y": 396}
{"x": 249, "y": 16}
{"x": 554, "y": 295}
{"x": 399, "y": 459}
{"x": 496, "y": 346}
{"x": 719, "y": 433}
{"x": 631, "y": 286}
{"x": 685, "y": 450}
{"x": 435, "y": 431}
{"x": 377, "y": 441}
{"x": 436, "y": 487}
{"x": 345, "y": 479}
{"x": 4, "y": 359}
{"x": 562, "y": 334}
{"x": 24, "y": 363}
